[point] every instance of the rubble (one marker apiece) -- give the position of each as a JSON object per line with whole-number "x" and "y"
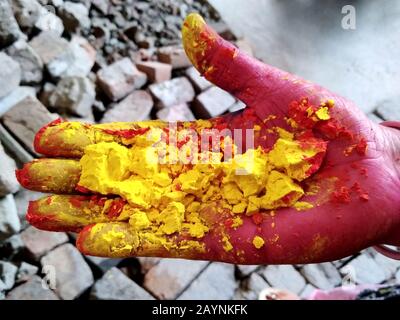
{"x": 179, "y": 112}
{"x": 175, "y": 56}
{"x": 216, "y": 282}
{"x": 199, "y": 82}
{"x": 29, "y": 61}
{"x": 114, "y": 285}
{"x": 49, "y": 45}
{"x": 212, "y": 102}
{"x": 172, "y": 92}
{"x": 156, "y": 71}
{"x": 26, "y": 118}
{"x": 73, "y": 94}
{"x": 75, "y": 16}
{"x": 9, "y": 29}
{"x": 25, "y": 272}
{"x": 38, "y": 242}
{"x": 168, "y": 278}
{"x": 10, "y": 74}
{"x": 9, "y": 221}
{"x": 8, "y": 271}
{"x": 136, "y": 106}
{"x": 73, "y": 275}
{"x": 120, "y": 78}
{"x": 31, "y": 290}
{"x": 8, "y": 182}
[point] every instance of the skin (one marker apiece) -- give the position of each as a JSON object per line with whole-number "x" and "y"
{"x": 336, "y": 226}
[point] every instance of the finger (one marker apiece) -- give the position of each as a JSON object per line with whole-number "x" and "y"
{"x": 257, "y": 84}
{"x": 119, "y": 240}
{"x": 50, "y": 175}
{"x": 69, "y": 139}
{"x": 72, "y": 213}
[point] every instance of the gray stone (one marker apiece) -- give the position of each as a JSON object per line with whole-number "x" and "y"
{"x": 284, "y": 277}
{"x": 146, "y": 263}
{"x": 47, "y": 90}
{"x": 374, "y": 118}
{"x": 245, "y": 270}
{"x": 32, "y": 290}
{"x": 77, "y": 60}
{"x": 73, "y": 275}
{"x": 199, "y": 82}
{"x": 180, "y": 112}
{"x": 156, "y": 71}
{"x": 308, "y": 289}
{"x": 14, "y": 97}
{"x": 13, "y": 146}
{"x": 172, "y": 92}
{"x": 174, "y": 55}
{"x": 245, "y": 46}
{"x": 389, "y": 266}
{"x": 252, "y": 287}
{"x": 38, "y": 242}
{"x": 120, "y": 78}
{"x": 25, "y": 272}
{"x": 135, "y": 107}
{"x": 22, "y": 198}
{"x": 75, "y": 16}
{"x": 389, "y": 109}
{"x": 114, "y": 285}
{"x": 49, "y": 45}
{"x": 75, "y": 95}
{"x": 167, "y": 279}
{"x": 317, "y": 277}
{"x": 101, "y": 5}
{"x": 10, "y": 74}
{"x": 12, "y": 246}
{"x": 212, "y": 102}
{"x": 29, "y": 61}
{"x": 8, "y": 181}
{"x": 104, "y": 264}
{"x": 27, "y": 12}
{"x": 9, "y": 221}
{"x": 238, "y": 105}
{"x": 365, "y": 270}
{"x": 216, "y": 282}
{"x": 48, "y": 21}
{"x": 8, "y": 271}
{"x": 9, "y": 29}
{"x": 26, "y": 118}
{"x": 398, "y": 276}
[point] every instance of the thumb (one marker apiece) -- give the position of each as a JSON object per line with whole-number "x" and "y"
{"x": 258, "y": 85}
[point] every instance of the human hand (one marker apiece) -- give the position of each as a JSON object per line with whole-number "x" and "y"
{"x": 322, "y": 182}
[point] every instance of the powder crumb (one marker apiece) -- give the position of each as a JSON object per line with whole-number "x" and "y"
{"x": 258, "y": 242}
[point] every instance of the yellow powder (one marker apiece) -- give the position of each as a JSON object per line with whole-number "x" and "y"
{"x": 226, "y": 243}
{"x": 323, "y": 113}
{"x": 302, "y": 205}
{"x": 167, "y": 199}
{"x": 258, "y": 242}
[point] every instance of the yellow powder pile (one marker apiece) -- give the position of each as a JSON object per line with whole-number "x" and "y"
{"x": 168, "y": 199}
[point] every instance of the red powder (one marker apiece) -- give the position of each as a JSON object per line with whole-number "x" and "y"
{"x": 341, "y": 196}
{"x": 257, "y": 218}
{"x": 127, "y": 133}
{"x": 116, "y": 208}
{"x": 361, "y": 147}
